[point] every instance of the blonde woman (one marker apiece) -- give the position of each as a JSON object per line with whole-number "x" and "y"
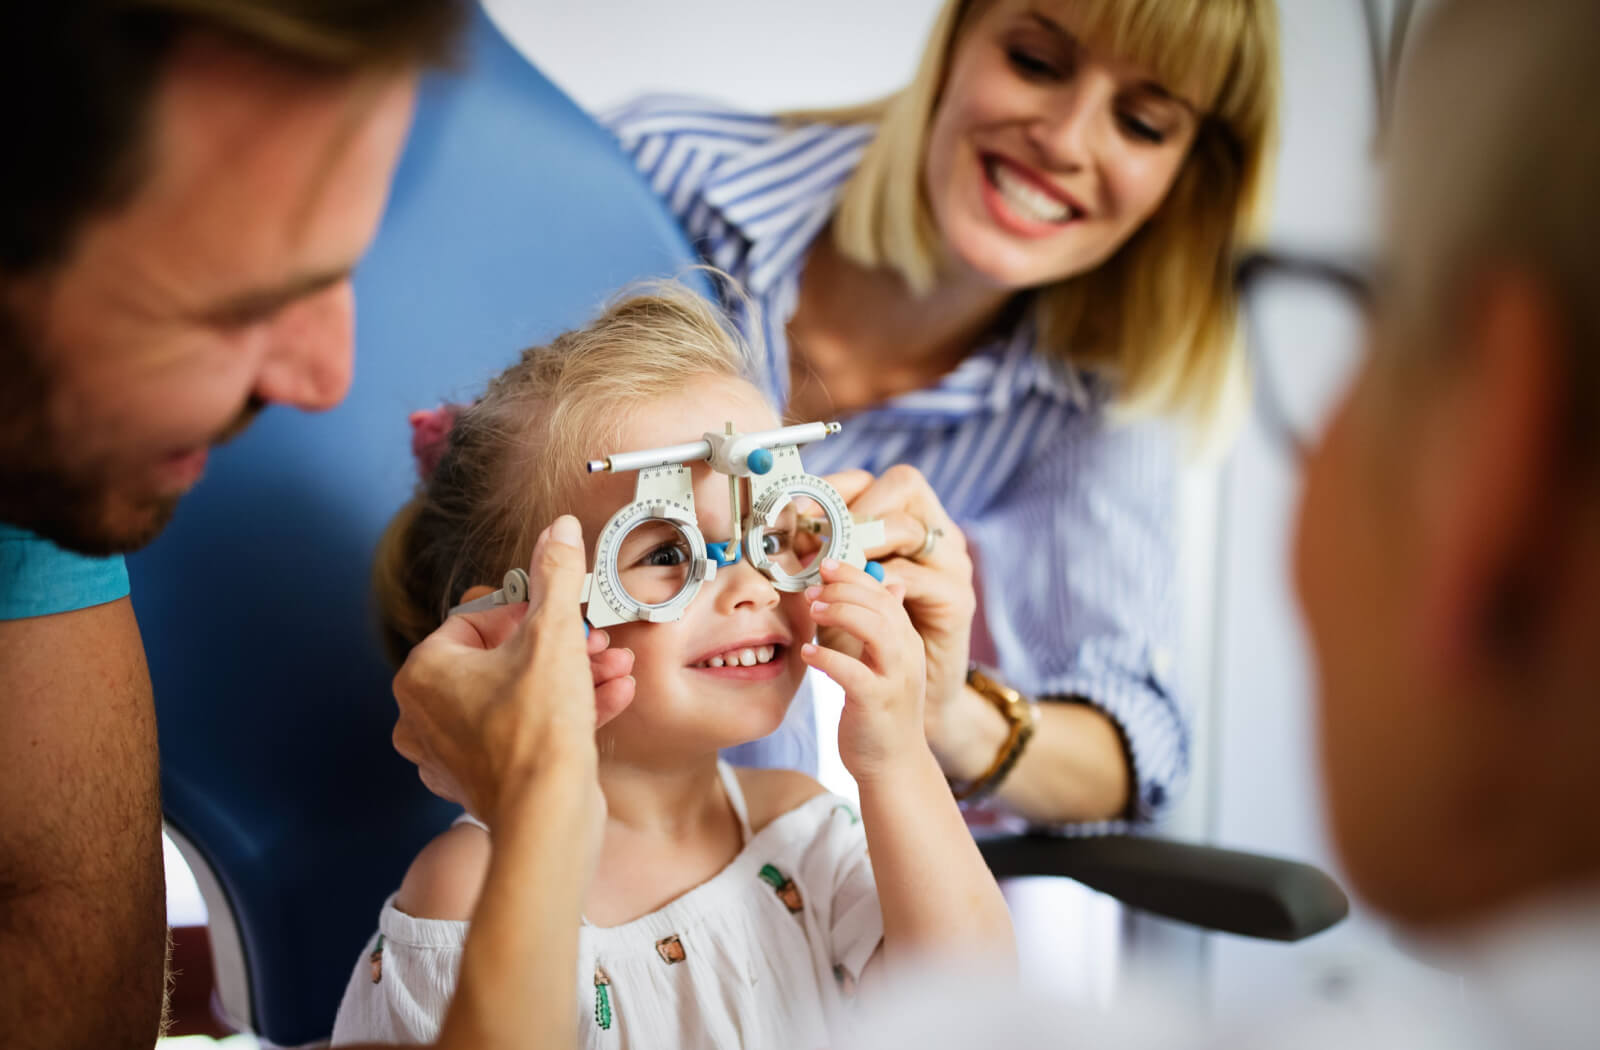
{"x": 1010, "y": 279}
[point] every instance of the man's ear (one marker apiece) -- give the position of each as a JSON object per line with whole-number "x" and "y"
{"x": 1488, "y": 475}
{"x": 474, "y": 593}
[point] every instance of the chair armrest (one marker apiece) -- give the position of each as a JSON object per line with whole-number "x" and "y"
{"x": 1215, "y": 889}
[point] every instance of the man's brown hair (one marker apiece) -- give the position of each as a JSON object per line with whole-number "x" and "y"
{"x": 79, "y": 77}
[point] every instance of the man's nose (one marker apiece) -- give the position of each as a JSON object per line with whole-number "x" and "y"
{"x": 311, "y": 352}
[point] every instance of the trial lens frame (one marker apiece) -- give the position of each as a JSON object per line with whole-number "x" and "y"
{"x": 664, "y": 492}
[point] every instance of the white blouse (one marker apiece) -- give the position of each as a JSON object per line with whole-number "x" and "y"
{"x": 765, "y": 953}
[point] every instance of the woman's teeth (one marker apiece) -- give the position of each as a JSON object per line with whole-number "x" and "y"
{"x": 742, "y": 657}
{"x": 1028, "y": 199}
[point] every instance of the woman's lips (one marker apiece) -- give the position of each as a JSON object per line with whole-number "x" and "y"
{"x": 1019, "y": 204}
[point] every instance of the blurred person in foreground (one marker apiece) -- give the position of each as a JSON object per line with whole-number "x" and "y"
{"x": 1448, "y": 564}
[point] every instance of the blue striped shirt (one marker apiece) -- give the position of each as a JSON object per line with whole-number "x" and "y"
{"x": 1071, "y": 517}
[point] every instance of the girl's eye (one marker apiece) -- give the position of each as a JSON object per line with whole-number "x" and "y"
{"x": 773, "y": 543}
{"x": 666, "y": 556}
{"x": 1029, "y": 64}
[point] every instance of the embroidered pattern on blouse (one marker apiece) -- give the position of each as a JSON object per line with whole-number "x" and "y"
{"x": 784, "y": 886}
{"x": 671, "y": 950}
{"x": 602, "y": 998}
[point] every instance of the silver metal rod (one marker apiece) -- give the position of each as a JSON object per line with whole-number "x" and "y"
{"x": 799, "y": 434}
{"x": 622, "y": 462}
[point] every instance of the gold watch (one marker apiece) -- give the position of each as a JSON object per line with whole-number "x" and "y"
{"x": 1020, "y": 715}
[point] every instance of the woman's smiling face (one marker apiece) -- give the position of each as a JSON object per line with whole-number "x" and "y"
{"x": 1045, "y": 155}
{"x": 691, "y": 696}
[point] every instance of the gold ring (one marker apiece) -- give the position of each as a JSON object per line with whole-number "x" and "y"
{"x": 929, "y": 542}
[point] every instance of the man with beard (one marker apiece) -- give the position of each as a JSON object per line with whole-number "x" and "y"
{"x": 189, "y": 184}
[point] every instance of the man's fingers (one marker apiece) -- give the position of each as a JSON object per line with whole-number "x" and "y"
{"x": 612, "y": 698}
{"x": 442, "y": 786}
{"x": 486, "y": 629}
{"x": 613, "y": 663}
{"x": 555, "y": 573}
{"x": 406, "y": 742}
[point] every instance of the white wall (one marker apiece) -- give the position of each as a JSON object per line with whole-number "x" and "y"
{"x": 762, "y": 54}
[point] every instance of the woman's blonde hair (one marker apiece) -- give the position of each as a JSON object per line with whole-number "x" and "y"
{"x": 1158, "y": 317}
{"x": 513, "y": 459}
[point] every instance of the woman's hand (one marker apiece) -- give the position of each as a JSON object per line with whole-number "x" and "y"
{"x": 491, "y": 698}
{"x": 882, "y": 675}
{"x": 938, "y": 586}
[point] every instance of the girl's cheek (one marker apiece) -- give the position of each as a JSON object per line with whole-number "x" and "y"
{"x": 797, "y": 611}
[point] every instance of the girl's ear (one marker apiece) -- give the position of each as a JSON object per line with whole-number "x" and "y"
{"x": 474, "y": 593}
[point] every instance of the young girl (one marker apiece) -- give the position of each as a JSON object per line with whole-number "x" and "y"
{"x": 727, "y": 907}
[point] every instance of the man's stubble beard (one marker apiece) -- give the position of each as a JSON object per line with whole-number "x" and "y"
{"x": 76, "y": 506}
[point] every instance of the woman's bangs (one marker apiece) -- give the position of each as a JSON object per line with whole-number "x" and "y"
{"x": 1191, "y": 46}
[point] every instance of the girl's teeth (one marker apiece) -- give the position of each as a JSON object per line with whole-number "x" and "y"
{"x": 743, "y": 657}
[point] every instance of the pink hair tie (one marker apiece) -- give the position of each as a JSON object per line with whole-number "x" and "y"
{"x": 430, "y": 436}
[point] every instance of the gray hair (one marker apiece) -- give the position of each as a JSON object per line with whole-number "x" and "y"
{"x": 1496, "y": 155}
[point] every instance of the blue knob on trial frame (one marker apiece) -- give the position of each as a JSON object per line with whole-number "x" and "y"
{"x": 874, "y": 570}
{"x": 719, "y": 551}
{"x": 759, "y": 461}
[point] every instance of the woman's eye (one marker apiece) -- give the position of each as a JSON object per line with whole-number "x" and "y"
{"x": 1143, "y": 130}
{"x": 666, "y": 556}
{"x": 1029, "y": 64}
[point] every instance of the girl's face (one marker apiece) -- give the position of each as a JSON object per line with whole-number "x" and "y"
{"x": 683, "y": 704}
{"x": 1045, "y": 156}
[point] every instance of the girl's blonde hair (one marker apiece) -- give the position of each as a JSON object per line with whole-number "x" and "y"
{"x": 1159, "y": 316}
{"x": 514, "y": 458}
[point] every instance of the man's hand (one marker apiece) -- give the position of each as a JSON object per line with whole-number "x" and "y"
{"x": 489, "y": 697}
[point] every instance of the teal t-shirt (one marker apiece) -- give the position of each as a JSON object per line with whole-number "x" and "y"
{"x": 38, "y": 578}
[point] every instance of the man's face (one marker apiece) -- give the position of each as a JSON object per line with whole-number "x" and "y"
{"x": 1350, "y": 572}
{"x": 220, "y": 288}
{"x": 1422, "y": 747}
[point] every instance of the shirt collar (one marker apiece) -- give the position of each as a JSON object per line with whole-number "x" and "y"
{"x": 778, "y": 194}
